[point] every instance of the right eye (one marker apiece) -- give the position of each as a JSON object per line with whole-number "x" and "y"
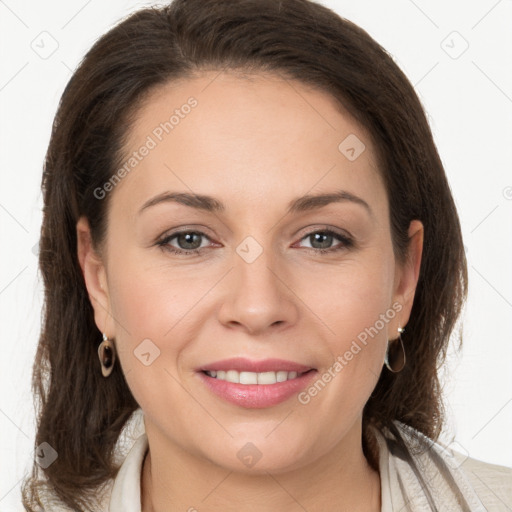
{"x": 189, "y": 242}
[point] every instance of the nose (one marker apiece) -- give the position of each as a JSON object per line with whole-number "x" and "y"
{"x": 258, "y": 297}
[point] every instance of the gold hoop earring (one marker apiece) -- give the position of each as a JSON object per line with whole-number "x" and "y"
{"x": 107, "y": 355}
{"x": 398, "y": 354}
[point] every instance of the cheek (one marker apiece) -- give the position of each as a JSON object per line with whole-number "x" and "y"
{"x": 152, "y": 310}
{"x": 356, "y": 305}
{"x": 149, "y": 294}
{"x": 353, "y": 297}
{"x": 151, "y": 303}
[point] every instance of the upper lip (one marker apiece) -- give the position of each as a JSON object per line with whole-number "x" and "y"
{"x": 242, "y": 364}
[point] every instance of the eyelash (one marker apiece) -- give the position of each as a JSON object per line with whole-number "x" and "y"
{"x": 347, "y": 242}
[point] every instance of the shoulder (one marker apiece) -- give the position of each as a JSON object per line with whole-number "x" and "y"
{"x": 492, "y": 483}
{"x": 442, "y": 474}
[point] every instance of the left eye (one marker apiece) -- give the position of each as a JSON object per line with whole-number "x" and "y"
{"x": 322, "y": 240}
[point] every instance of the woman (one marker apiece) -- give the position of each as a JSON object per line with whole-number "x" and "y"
{"x": 253, "y": 265}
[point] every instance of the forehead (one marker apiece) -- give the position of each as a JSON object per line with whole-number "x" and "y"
{"x": 255, "y": 138}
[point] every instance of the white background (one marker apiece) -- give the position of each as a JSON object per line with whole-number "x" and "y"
{"x": 469, "y": 103}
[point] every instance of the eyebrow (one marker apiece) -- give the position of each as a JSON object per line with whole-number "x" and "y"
{"x": 300, "y": 204}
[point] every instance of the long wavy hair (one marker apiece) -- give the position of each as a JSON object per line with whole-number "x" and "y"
{"x": 80, "y": 413}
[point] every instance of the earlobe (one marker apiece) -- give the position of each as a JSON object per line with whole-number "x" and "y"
{"x": 94, "y": 273}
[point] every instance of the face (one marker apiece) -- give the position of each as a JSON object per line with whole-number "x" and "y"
{"x": 255, "y": 270}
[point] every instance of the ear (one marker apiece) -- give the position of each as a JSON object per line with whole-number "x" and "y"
{"x": 407, "y": 275}
{"x": 95, "y": 276}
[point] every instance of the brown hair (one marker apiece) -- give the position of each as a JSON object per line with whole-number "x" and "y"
{"x": 80, "y": 413}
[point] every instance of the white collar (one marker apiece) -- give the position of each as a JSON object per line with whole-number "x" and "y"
{"x": 125, "y": 495}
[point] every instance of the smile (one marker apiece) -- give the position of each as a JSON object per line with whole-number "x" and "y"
{"x": 255, "y": 384}
{"x": 263, "y": 378}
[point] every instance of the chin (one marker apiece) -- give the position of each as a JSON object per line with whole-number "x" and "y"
{"x": 259, "y": 456}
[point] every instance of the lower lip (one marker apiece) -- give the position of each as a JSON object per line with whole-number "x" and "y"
{"x": 257, "y": 396}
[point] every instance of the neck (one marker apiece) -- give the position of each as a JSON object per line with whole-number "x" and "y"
{"x": 175, "y": 480}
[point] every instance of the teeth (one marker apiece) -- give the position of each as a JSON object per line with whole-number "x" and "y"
{"x": 281, "y": 376}
{"x": 232, "y": 376}
{"x": 252, "y": 377}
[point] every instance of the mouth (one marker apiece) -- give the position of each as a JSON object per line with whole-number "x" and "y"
{"x": 255, "y": 384}
{"x": 261, "y": 378}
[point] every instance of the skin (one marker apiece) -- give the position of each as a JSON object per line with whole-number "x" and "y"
{"x": 254, "y": 143}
